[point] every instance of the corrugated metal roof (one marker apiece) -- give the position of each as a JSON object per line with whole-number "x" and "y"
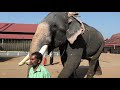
{"x": 112, "y": 44}
{"x": 17, "y": 31}
{"x": 13, "y": 27}
{"x": 113, "y": 41}
{"x": 15, "y": 36}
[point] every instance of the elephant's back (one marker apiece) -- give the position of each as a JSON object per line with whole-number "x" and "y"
{"x": 93, "y": 33}
{"x": 94, "y": 39}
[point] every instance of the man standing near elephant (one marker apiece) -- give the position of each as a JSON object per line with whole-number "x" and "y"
{"x": 37, "y": 70}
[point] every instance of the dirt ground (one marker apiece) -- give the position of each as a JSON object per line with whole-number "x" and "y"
{"x": 110, "y": 64}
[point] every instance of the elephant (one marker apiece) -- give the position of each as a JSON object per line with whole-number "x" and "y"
{"x": 58, "y": 30}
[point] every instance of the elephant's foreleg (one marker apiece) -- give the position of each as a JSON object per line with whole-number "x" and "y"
{"x": 63, "y": 53}
{"x": 63, "y": 57}
{"x": 63, "y": 60}
{"x": 72, "y": 63}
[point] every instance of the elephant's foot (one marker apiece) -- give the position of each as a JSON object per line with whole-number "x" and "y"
{"x": 98, "y": 73}
{"x": 89, "y": 76}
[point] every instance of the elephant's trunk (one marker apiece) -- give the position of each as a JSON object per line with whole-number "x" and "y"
{"x": 41, "y": 37}
{"x": 40, "y": 41}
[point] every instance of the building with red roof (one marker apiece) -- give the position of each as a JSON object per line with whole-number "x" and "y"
{"x": 112, "y": 45}
{"x": 16, "y": 37}
{"x": 17, "y": 31}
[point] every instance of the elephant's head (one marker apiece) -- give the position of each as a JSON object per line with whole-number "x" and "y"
{"x": 53, "y": 31}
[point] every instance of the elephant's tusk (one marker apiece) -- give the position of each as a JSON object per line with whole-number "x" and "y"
{"x": 27, "y": 62}
{"x": 24, "y": 60}
{"x": 43, "y": 49}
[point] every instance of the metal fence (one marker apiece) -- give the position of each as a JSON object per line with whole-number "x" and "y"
{"x": 14, "y": 45}
{"x": 112, "y": 49}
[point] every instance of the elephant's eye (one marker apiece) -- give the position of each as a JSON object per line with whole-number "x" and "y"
{"x": 54, "y": 27}
{"x": 69, "y": 23}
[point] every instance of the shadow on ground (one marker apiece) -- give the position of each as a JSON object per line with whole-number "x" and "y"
{"x": 3, "y": 59}
{"x": 52, "y": 64}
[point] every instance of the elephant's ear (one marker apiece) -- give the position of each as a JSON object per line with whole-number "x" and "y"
{"x": 74, "y": 31}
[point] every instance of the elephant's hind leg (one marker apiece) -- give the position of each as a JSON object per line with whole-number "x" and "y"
{"x": 94, "y": 68}
{"x": 94, "y": 63}
{"x": 91, "y": 70}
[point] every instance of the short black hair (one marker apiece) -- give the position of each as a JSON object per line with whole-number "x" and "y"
{"x": 39, "y": 56}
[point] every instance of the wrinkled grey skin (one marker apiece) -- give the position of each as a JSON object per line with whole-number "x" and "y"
{"x": 86, "y": 46}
